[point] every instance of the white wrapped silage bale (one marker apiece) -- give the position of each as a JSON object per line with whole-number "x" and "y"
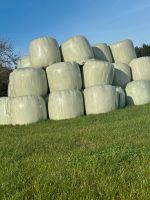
{"x": 64, "y": 76}
{"x": 5, "y": 117}
{"x": 102, "y": 52}
{"x": 65, "y": 104}
{"x": 100, "y": 99}
{"x": 140, "y": 68}
{"x": 122, "y": 74}
{"x": 123, "y": 51}
{"x": 44, "y": 52}
{"x": 24, "y": 62}
{"x": 121, "y": 97}
{"x": 77, "y": 49}
{"x": 96, "y": 72}
{"x": 27, "y": 81}
{"x": 27, "y": 109}
{"x": 138, "y": 92}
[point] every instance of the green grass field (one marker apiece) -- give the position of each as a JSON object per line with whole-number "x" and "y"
{"x": 103, "y": 156}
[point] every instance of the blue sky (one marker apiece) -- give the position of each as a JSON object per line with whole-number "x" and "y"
{"x": 100, "y": 21}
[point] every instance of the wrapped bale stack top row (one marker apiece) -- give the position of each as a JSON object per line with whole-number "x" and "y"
{"x": 78, "y": 77}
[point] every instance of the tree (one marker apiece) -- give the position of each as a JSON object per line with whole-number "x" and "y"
{"x": 143, "y": 51}
{"x": 7, "y": 62}
{"x": 7, "y": 56}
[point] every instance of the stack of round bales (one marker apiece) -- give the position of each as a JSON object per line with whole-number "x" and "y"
{"x": 99, "y": 95}
{"x": 65, "y": 99}
{"x": 26, "y": 88}
{"x": 124, "y": 56}
{"x": 65, "y": 81}
{"x": 28, "y": 84}
{"x": 122, "y": 52}
{"x": 106, "y": 72}
{"x": 138, "y": 91}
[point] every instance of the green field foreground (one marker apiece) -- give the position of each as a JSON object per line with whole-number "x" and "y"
{"x": 104, "y": 156}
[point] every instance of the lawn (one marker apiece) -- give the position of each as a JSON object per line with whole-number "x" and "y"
{"x": 104, "y": 156}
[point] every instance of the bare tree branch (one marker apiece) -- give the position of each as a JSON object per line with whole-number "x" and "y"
{"x": 7, "y": 56}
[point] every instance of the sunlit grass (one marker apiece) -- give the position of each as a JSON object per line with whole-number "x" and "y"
{"x": 103, "y": 156}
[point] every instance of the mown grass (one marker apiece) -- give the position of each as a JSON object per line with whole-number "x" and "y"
{"x": 93, "y": 157}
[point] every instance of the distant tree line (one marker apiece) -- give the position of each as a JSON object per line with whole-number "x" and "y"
{"x": 144, "y": 50}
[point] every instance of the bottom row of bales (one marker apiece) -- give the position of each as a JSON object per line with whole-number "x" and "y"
{"x": 70, "y": 103}
{"x": 61, "y": 105}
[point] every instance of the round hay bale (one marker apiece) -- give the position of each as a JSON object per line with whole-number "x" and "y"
{"x": 122, "y": 74}
{"x": 27, "y": 109}
{"x": 65, "y": 104}
{"x": 140, "y": 68}
{"x": 24, "y": 62}
{"x": 27, "y": 81}
{"x": 138, "y": 92}
{"x": 102, "y": 52}
{"x": 121, "y": 97}
{"x": 5, "y": 117}
{"x": 96, "y": 72}
{"x": 100, "y": 99}
{"x": 44, "y": 52}
{"x": 77, "y": 49}
{"x": 64, "y": 76}
{"x": 123, "y": 51}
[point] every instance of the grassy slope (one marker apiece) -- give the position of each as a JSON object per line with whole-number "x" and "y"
{"x": 93, "y": 157}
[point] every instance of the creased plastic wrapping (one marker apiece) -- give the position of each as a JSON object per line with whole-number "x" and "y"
{"x": 64, "y": 76}
{"x": 138, "y": 92}
{"x": 123, "y": 51}
{"x": 100, "y": 99}
{"x": 27, "y": 109}
{"x": 5, "y": 118}
{"x": 121, "y": 97}
{"x": 122, "y": 74}
{"x": 77, "y": 49}
{"x": 65, "y": 104}
{"x": 97, "y": 72}
{"x": 22, "y": 110}
{"x": 24, "y": 62}
{"x": 102, "y": 52}
{"x": 140, "y": 68}
{"x": 27, "y": 81}
{"x": 44, "y": 52}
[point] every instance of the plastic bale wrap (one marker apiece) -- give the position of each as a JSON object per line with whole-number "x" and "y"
{"x": 65, "y": 104}
{"x": 121, "y": 97}
{"x": 100, "y": 99}
{"x": 140, "y": 68}
{"x": 44, "y": 52}
{"x": 102, "y": 52}
{"x": 97, "y": 72}
{"x": 24, "y": 62}
{"x": 27, "y": 81}
{"x": 5, "y": 118}
{"x": 77, "y": 49}
{"x": 46, "y": 100}
{"x": 27, "y": 109}
{"x": 122, "y": 74}
{"x": 64, "y": 76}
{"x": 138, "y": 92}
{"x": 123, "y": 51}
